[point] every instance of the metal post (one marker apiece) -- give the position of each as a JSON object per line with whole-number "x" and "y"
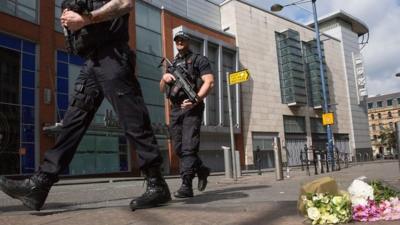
{"x": 322, "y": 76}
{"x": 315, "y": 161}
{"x": 301, "y": 158}
{"x": 237, "y": 161}
{"x": 398, "y": 141}
{"x": 227, "y": 161}
{"x": 231, "y": 128}
{"x": 278, "y": 159}
{"x": 307, "y": 161}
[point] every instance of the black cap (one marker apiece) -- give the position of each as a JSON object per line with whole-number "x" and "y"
{"x": 181, "y": 34}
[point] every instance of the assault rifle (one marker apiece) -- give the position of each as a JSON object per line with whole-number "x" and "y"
{"x": 181, "y": 82}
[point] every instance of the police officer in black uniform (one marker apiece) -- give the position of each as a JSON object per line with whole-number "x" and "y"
{"x": 186, "y": 116}
{"x": 100, "y": 35}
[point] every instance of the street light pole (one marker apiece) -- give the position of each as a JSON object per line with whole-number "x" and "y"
{"x": 325, "y": 107}
{"x": 322, "y": 76}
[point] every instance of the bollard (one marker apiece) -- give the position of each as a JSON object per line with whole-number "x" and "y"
{"x": 327, "y": 162}
{"x": 227, "y": 161}
{"x": 301, "y": 158}
{"x": 278, "y": 159}
{"x": 338, "y": 156}
{"x": 307, "y": 162}
{"x": 237, "y": 161}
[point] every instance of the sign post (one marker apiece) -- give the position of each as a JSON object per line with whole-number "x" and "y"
{"x": 231, "y": 79}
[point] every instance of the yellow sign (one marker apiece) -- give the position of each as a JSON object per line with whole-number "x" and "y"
{"x": 239, "y": 77}
{"x": 328, "y": 119}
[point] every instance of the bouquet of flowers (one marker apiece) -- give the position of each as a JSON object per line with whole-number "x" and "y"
{"x": 374, "y": 201}
{"x": 327, "y": 208}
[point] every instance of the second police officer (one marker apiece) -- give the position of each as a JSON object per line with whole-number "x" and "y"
{"x": 186, "y": 116}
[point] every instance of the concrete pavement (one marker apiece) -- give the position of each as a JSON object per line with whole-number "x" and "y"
{"x": 251, "y": 200}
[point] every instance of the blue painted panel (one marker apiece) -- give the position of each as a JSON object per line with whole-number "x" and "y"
{"x": 62, "y": 85}
{"x": 76, "y": 60}
{"x": 28, "y": 133}
{"x": 62, "y": 70}
{"x": 62, "y": 56}
{"x": 28, "y": 62}
{"x": 28, "y": 160}
{"x": 62, "y": 101}
{"x": 10, "y": 42}
{"x": 29, "y": 47}
{"x": 28, "y": 97}
{"x": 28, "y": 79}
{"x": 28, "y": 115}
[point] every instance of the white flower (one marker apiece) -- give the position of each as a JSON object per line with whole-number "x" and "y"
{"x": 331, "y": 219}
{"x": 355, "y": 200}
{"x": 313, "y": 213}
{"x": 360, "y": 190}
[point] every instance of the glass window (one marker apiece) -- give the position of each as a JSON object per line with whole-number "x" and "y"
{"x": 57, "y": 15}
{"x": 379, "y": 116}
{"x": 212, "y": 98}
{"x": 25, "y": 9}
{"x": 390, "y": 114}
{"x": 9, "y": 111}
{"x": 147, "y": 65}
{"x": 372, "y": 116}
{"x": 294, "y": 124}
{"x": 228, "y": 67}
{"x": 291, "y": 70}
{"x": 148, "y": 57}
{"x": 380, "y": 126}
{"x": 148, "y": 41}
{"x": 17, "y": 104}
{"x": 379, "y": 104}
{"x": 316, "y": 125}
{"x": 147, "y": 16}
{"x": 370, "y": 105}
{"x": 389, "y": 102}
{"x": 373, "y": 127}
{"x": 196, "y": 46}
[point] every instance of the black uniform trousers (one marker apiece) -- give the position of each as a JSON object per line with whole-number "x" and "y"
{"x": 108, "y": 73}
{"x": 185, "y": 133}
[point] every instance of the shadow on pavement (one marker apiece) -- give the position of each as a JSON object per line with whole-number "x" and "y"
{"x": 223, "y": 194}
{"x": 59, "y": 207}
{"x": 22, "y": 208}
{"x": 279, "y": 210}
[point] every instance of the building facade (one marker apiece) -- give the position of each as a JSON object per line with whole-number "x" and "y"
{"x": 283, "y": 97}
{"x": 383, "y": 114}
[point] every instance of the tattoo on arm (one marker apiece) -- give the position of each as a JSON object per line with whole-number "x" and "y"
{"x": 111, "y": 10}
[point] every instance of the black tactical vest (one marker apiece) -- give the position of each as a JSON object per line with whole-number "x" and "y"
{"x": 86, "y": 40}
{"x": 193, "y": 76}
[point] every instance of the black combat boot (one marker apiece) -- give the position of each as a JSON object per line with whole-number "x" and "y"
{"x": 202, "y": 173}
{"x": 186, "y": 190}
{"x": 157, "y": 191}
{"x": 32, "y": 192}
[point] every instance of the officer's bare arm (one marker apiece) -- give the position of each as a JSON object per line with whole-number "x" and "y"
{"x": 112, "y": 9}
{"x": 208, "y": 84}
